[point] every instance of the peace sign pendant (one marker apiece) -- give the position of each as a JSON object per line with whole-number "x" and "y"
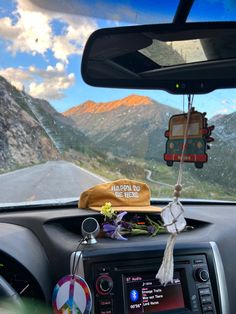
{"x": 72, "y": 295}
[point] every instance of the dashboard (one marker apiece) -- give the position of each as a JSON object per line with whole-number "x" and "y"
{"x": 36, "y": 250}
{"x": 133, "y": 281}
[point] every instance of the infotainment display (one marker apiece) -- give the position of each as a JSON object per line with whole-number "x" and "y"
{"x": 145, "y": 294}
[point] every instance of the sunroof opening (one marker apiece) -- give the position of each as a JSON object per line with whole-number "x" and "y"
{"x": 175, "y": 52}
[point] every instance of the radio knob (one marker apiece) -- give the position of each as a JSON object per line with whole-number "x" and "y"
{"x": 104, "y": 284}
{"x": 202, "y": 275}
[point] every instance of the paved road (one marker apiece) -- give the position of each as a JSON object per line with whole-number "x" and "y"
{"x": 148, "y": 177}
{"x": 52, "y": 180}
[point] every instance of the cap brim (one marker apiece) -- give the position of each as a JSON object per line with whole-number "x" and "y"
{"x": 138, "y": 209}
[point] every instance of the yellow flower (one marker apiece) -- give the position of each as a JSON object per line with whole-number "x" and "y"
{"x": 107, "y": 210}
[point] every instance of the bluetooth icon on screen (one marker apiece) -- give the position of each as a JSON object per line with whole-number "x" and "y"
{"x": 134, "y": 295}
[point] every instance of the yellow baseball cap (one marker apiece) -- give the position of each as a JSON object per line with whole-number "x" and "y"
{"x": 124, "y": 195}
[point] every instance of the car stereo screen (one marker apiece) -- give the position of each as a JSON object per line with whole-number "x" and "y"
{"x": 145, "y": 294}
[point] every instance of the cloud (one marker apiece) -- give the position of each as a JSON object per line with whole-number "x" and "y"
{"x": 62, "y": 48}
{"x": 31, "y": 31}
{"x": 48, "y": 73}
{"x": 223, "y": 111}
{"x": 76, "y": 33}
{"x": 52, "y": 88}
{"x": 231, "y": 103}
{"x": 49, "y": 83}
{"x": 224, "y": 101}
{"x": 16, "y": 76}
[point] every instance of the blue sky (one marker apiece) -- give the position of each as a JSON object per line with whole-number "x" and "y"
{"x": 41, "y": 52}
{"x": 222, "y": 10}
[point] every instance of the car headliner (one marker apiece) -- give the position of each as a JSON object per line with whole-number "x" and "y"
{"x": 146, "y": 12}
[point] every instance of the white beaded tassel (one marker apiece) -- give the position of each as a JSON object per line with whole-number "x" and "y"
{"x": 173, "y": 218}
{"x": 174, "y": 221}
{"x": 166, "y": 271}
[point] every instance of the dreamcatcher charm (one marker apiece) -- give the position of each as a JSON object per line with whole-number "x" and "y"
{"x": 174, "y": 221}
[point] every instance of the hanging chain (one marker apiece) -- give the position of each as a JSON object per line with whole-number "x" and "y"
{"x": 178, "y": 186}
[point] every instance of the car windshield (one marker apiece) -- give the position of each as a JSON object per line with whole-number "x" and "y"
{"x": 59, "y": 136}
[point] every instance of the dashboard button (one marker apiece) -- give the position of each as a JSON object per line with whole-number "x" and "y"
{"x": 205, "y": 291}
{"x": 104, "y": 284}
{"x": 105, "y": 302}
{"x": 204, "y": 275}
{"x": 207, "y": 308}
{"x": 201, "y": 275}
{"x": 206, "y": 299}
{"x": 198, "y": 261}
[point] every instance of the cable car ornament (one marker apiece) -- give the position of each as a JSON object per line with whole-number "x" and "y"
{"x": 198, "y": 139}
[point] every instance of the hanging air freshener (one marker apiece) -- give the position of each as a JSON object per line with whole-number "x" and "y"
{"x": 188, "y": 136}
{"x": 72, "y": 295}
{"x": 198, "y": 137}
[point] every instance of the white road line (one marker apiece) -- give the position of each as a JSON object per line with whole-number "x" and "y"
{"x": 54, "y": 161}
{"x": 91, "y": 173}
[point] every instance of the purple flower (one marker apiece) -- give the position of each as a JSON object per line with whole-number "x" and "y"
{"x": 113, "y": 231}
{"x": 126, "y": 225}
{"x": 117, "y": 235}
{"x": 120, "y": 217}
{"x": 109, "y": 228}
{"x": 151, "y": 229}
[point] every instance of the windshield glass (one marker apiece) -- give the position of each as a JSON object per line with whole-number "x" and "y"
{"x": 59, "y": 136}
{"x": 220, "y": 10}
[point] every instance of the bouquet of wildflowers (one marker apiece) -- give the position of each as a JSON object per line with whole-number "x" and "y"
{"x": 116, "y": 227}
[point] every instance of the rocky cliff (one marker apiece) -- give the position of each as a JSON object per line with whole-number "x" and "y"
{"x": 22, "y": 139}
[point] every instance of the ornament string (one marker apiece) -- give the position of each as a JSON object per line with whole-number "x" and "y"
{"x": 181, "y": 164}
{"x": 75, "y": 263}
{"x": 172, "y": 214}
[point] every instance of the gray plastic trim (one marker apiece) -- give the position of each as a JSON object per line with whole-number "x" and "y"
{"x": 80, "y": 268}
{"x": 221, "y": 281}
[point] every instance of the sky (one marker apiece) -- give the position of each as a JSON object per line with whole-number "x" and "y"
{"x": 41, "y": 52}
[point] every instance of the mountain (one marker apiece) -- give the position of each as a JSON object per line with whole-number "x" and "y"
{"x": 93, "y": 107}
{"x": 32, "y": 131}
{"x": 223, "y": 150}
{"x": 59, "y": 128}
{"x": 217, "y": 117}
{"x": 225, "y": 128}
{"x": 22, "y": 140}
{"x": 220, "y": 167}
{"x": 131, "y": 126}
{"x": 134, "y": 127}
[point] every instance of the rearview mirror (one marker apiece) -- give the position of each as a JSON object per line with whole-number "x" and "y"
{"x": 193, "y": 58}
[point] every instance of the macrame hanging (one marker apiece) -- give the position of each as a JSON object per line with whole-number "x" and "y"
{"x": 173, "y": 215}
